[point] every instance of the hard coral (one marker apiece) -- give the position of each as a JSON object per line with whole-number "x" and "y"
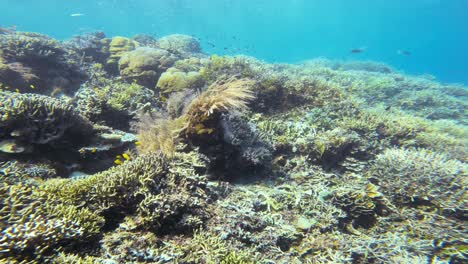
{"x": 178, "y": 43}
{"x": 38, "y": 60}
{"x": 39, "y": 119}
{"x": 145, "y": 65}
{"x": 174, "y": 80}
{"x": 164, "y": 194}
{"x": 34, "y": 227}
{"x": 117, "y": 47}
{"x": 419, "y": 176}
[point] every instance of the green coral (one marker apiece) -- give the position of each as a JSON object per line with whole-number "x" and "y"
{"x": 162, "y": 193}
{"x": 144, "y": 65}
{"x": 174, "y": 80}
{"x": 117, "y": 47}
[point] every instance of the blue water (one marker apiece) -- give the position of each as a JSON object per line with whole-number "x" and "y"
{"x": 434, "y": 31}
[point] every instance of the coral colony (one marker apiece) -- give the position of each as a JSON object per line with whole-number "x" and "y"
{"x": 144, "y": 150}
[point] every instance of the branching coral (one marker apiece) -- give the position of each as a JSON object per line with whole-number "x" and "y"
{"x": 40, "y": 61}
{"x": 33, "y": 226}
{"x": 40, "y": 119}
{"x": 161, "y": 192}
{"x": 420, "y": 176}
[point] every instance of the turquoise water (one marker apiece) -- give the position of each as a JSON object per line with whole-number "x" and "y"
{"x": 435, "y": 32}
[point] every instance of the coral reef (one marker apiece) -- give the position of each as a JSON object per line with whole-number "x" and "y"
{"x": 145, "y": 150}
{"x": 32, "y": 62}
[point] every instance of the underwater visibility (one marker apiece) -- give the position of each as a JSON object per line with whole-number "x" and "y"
{"x": 233, "y": 132}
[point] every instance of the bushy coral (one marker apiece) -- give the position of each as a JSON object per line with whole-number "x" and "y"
{"x": 24, "y": 46}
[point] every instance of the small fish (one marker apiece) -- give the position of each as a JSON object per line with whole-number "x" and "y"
{"x": 404, "y": 52}
{"x": 126, "y": 156}
{"x": 12, "y": 146}
{"x": 16, "y": 133}
{"x": 211, "y": 44}
{"x": 358, "y": 50}
{"x": 118, "y": 157}
{"x": 93, "y": 150}
{"x": 138, "y": 143}
{"x": 118, "y": 162}
{"x": 17, "y": 90}
{"x": 77, "y": 14}
{"x": 32, "y": 86}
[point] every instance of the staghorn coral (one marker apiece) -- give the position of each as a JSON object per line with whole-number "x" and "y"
{"x": 14, "y": 172}
{"x": 38, "y": 119}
